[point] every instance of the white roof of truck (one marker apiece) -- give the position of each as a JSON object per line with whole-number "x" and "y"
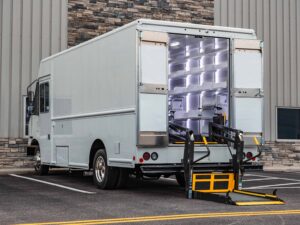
{"x": 148, "y": 22}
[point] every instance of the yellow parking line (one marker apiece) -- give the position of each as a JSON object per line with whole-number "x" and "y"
{"x": 172, "y": 217}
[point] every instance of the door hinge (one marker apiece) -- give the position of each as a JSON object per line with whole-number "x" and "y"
{"x": 248, "y": 92}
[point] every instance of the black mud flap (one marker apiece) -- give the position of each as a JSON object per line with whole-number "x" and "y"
{"x": 241, "y": 198}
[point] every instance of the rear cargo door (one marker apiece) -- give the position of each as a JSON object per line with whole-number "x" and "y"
{"x": 247, "y": 86}
{"x": 152, "y": 96}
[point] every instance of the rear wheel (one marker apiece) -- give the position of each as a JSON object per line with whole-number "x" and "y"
{"x": 105, "y": 177}
{"x": 38, "y": 166}
{"x": 180, "y": 179}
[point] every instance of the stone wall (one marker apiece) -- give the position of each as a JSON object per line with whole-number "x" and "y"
{"x": 91, "y": 18}
{"x": 13, "y": 154}
{"x": 282, "y": 154}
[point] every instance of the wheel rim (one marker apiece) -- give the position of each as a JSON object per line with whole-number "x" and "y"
{"x": 100, "y": 168}
{"x": 37, "y": 158}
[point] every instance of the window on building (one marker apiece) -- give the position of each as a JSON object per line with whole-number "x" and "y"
{"x": 44, "y": 97}
{"x": 288, "y": 123}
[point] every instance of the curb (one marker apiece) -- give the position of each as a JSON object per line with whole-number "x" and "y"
{"x": 16, "y": 171}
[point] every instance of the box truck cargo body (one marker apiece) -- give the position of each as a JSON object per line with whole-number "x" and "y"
{"x": 120, "y": 92}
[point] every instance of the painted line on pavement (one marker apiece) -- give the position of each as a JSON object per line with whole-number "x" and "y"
{"x": 173, "y": 217}
{"x": 281, "y": 178}
{"x": 52, "y": 184}
{"x": 281, "y": 188}
{"x": 271, "y": 185}
{"x": 167, "y": 178}
{"x": 259, "y": 179}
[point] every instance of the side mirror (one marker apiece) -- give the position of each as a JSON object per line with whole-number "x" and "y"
{"x": 30, "y": 96}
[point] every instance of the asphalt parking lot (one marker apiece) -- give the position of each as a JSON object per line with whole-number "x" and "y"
{"x": 70, "y": 198}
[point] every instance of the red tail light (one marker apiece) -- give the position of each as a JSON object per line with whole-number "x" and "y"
{"x": 249, "y": 155}
{"x": 146, "y": 156}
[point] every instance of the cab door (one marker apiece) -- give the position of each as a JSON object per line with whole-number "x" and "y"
{"x": 45, "y": 119}
{"x": 152, "y": 91}
{"x": 247, "y": 87}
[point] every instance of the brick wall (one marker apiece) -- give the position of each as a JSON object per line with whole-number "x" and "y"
{"x": 284, "y": 154}
{"x": 91, "y": 18}
{"x": 13, "y": 154}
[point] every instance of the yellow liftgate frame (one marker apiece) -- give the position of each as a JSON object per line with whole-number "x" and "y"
{"x": 210, "y": 186}
{"x": 221, "y": 186}
{"x": 213, "y": 182}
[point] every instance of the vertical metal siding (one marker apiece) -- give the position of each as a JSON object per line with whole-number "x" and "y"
{"x": 29, "y": 31}
{"x": 277, "y": 23}
{"x": 298, "y": 49}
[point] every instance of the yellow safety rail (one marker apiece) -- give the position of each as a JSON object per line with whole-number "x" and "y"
{"x": 256, "y": 141}
{"x": 197, "y": 142}
{"x": 205, "y": 141}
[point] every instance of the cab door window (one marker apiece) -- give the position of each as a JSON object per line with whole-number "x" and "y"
{"x": 44, "y": 97}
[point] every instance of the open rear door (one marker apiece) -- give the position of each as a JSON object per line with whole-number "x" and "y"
{"x": 153, "y": 111}
{"x": 247, "y": 87}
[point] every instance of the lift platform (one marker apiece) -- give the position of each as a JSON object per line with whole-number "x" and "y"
{"x": 223, "y": 186}
{"x": 220, "y": 187}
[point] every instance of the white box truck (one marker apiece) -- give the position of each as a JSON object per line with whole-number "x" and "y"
{"x": 121, "y": 102}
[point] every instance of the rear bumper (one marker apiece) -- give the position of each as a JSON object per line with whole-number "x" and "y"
{"x": 205, "y": 167}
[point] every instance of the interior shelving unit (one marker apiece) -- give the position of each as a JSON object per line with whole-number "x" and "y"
{"x": 198, "y": 80}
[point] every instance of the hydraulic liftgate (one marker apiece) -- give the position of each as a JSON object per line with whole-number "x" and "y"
{"x": 222, "y": 186}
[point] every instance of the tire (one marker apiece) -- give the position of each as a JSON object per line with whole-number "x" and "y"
{"x": 123, "y": 178}
{"x": 38, "y": 166}
{"x": 105, "y": 177}
{"x": 180, "y": 179}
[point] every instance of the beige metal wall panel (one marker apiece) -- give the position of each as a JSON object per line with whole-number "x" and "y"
{"x": 293, "y": 39}
{"x": 1, "y": 38}
{"x": 55, "y": 26}
{"x": 35, "y": 37}
{"x": 29, "y": 31}
{"x": 5, "y": 67}
{"x": 46, "y": 6}
{"x": 15, "y": 91}
{"x": 298, "y": 49}
{"x": 63, "y": 23}
{"x": 277, "y": 23}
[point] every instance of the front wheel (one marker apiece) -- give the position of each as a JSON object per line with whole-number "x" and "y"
{"x": 105, "y": 177}
{"x": 38, "y": 166}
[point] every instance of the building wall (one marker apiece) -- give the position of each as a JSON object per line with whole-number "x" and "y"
{"x": 90, "y": 18}
{"x": 277, "y": 23}
{"x": 29, "y": 31}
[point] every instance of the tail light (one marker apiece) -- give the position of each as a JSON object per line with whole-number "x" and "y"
{"x": 146, "y": 156}
{"x": 249, "y": 155}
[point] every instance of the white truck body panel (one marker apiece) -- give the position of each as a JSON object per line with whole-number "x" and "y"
{"x": 94, "y": 94}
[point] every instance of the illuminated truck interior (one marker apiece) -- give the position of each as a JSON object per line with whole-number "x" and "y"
{"x": 198, "y": 83}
